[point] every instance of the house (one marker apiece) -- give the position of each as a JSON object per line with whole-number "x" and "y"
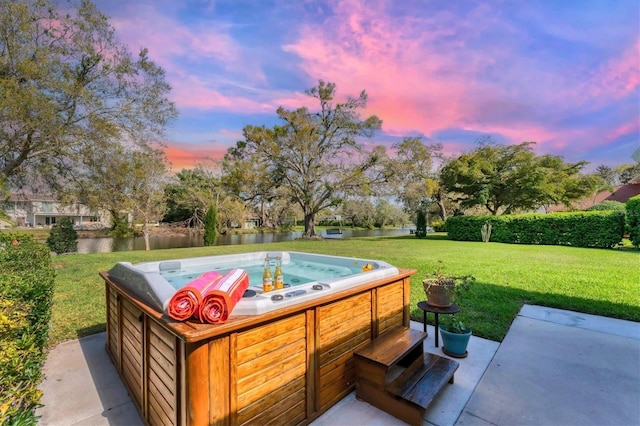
{"x": 41, "y": 210}
{"x": 620, "y": 193}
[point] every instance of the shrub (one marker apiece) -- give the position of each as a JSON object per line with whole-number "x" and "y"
{"x": 63, "y": 238}
{"x": 210, "y": 223}
{"x": 633, "y": 219}
{"x": 26, "y": 294}
{"x": 438, "y": 225}
{"x": 579, "y": 229}
{"x": 608, "y": 206}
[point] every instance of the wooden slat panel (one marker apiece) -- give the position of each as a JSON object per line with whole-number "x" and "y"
{"x": 331, "y": 395}
{"x": 132, "y": 352}
{"x": 161, "y": 355}
{"x": 293, "y": 416}
{"x": 158, "y": 394}
{"x": 131, "y": 328}
{"x": 391, "y": 322}
{"x": 168, "y": 338}
{"x": 288, "y": 373}
{"x": 134, "y": 379}
{"x": 248, "y": 355}
{"x": 337, "y": 308}
{"x": 155, "y": 414}
{"x": 271, "y": 365}
{"x": 162, "y": 380}
{"x": 346, "y": 344}
{"x": 264, "y": 409}
{"x": 255, "y": 378}
{"x": 114, "y": 328}
{"x": 262, "y": 365}
{"x": 390, "y": 293}
{"x": 343, "y": 372}
{"x": 340, "y": 334}
{"x": 350, "y": 321}
{"x": 268, "y": 331}
{"x": 347, "y": 311}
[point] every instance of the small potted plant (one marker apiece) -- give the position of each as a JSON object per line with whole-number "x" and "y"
{"x": 455, "y": 337}
{"x": 442, "y": 289}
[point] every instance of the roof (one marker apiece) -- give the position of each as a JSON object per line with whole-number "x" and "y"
{"x": 620, "y": 193}
{"x": 23, "y": 196}
{"x": 624, "y": 192}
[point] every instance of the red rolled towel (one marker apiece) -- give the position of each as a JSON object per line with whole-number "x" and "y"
{"x": 186, "y": 302}
{"x": 219, "y": 300}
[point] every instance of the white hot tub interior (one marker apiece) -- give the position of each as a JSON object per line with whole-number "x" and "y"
{"x": 306, "y": 276}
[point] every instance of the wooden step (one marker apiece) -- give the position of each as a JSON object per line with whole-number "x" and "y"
{"x": 419, "y": 384}
{"x": 388, "y": 349}
{"x": 402, "y": 392}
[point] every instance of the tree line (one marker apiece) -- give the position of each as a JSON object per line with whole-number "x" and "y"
{"x": 82, "y": 114}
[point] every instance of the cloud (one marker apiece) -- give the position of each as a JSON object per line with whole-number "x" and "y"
{"x": 185, "y": 156}
{"x": 479, "y": 71}
{"x": 565, "y": 77}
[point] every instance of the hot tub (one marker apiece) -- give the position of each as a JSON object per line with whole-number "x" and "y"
{"x": 275, "y": 361}
{"x": 306, "y": 276}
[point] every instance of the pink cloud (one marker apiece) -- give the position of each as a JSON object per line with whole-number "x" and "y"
{"x": 186, "y": 156}
{"x": 363, "y": 49}
{"x": 424, "y": 74}
{"x": 616, "y": 78}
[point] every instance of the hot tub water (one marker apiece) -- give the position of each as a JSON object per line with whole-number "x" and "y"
{"x": 296, "y": 272}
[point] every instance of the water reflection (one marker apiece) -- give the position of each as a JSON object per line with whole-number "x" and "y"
{"x": 105, "y": 245}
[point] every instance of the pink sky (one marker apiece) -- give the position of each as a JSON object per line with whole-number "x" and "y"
{"x": 562, "y": 74}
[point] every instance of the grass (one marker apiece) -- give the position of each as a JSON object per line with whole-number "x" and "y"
{"x": 594, "y": 281}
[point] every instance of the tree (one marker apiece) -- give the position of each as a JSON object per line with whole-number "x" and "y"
{"x": 358, "y": 211}
{"x": 627, "y": 172}
{"x": 148, "y": 174}
{"x": 507, "y": 178}
{"x": 316, "y": 157}
{"x": 126, "y": 182}
{"x": 413, "y": 164}
{"x": 249, "y": 176}
{"x": 608, "y": 175}
{"x": 67, "y": 88}
{"x": 421, "y": 224}
{"x": 210, "y": 232}
{"x": 191, "y": 195}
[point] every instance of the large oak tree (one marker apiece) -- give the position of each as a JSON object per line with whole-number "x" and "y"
{"x": 316, "y": 157}
{"x": 507, "y": 178}
{"x": 67, "y": 88}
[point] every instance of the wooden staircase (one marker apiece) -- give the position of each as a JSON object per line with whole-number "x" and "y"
{"x": 395, "y": 375}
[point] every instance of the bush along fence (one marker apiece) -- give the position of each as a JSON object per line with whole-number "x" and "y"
{"x": 633, "y": 219}
{"x": 604, "y": 229}
{"x": 26, "y": 295}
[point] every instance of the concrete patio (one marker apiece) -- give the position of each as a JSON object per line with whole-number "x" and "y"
{"x": 554, "y": 367}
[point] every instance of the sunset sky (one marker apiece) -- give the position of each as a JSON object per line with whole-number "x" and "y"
{"x": 565, "y": 74}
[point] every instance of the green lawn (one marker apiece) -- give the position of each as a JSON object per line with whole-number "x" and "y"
{"x": 595, "y": 281}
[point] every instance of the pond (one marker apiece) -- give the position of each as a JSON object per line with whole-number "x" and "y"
{"x": 105, "y": 245}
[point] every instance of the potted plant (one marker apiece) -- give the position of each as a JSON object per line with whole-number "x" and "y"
{"x": 442, "y": 289}
{"x": 455, "y": 337}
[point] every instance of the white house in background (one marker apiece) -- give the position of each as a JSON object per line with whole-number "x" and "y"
{"x": 40, "y": 210}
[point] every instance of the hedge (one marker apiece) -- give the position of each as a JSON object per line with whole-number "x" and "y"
{"x": 26, "y": 295}
{"x": 633, "y": 219}
{"x": 603, "y": 229}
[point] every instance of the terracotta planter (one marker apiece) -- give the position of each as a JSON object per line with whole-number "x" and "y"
{"x": 438, "y": 292}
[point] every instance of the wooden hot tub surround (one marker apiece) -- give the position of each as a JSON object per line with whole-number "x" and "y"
{"x": 287, "y": 366}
